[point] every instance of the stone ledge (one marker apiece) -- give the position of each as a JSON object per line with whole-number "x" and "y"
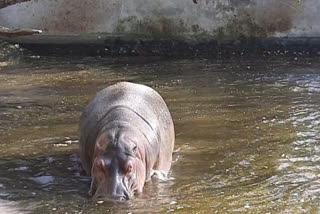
{"x": 135, "y": 45}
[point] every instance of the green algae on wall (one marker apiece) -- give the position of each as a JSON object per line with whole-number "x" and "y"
{"x": 222, "y": 20}
{"x": 161, "y": 26}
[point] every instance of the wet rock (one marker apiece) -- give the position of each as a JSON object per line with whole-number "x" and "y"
{"x": 50, "y": 160}
{"x": 4, "y": 194}
{"x": 3, "y": 64}
{"x": 43, "y": 180}
{"x": 35, "y": 57}
{"x": 173, "y": 202}
{"x": 244, "y": 163}
{"x": 179, "y": 207}
{"x": 60, "y": 145}
{"x": 21, "y": 168}
{"x": 49, "y": 140}
{"x": 247, "y": 205}
{"x": 8, "y": 207}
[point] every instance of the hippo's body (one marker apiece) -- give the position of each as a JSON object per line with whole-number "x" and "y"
{"x": 125, "y": 134}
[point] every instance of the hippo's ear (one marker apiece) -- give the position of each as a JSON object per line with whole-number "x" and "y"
{"x": 101, "y": 143}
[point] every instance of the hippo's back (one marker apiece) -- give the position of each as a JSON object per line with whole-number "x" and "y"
{"x": 141, "y": 99}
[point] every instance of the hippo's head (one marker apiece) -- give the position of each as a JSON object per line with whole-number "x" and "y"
{"x": 117, "y": 169}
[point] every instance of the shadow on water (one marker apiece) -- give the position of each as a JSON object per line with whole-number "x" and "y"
{"x": 39, "y": 182}
{"x": 247, "y": 130}
{"x": 54, "y": 183}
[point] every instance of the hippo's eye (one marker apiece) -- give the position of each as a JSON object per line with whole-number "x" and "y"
{"x": 130, "y": 152}
{"x": 134, "y": 148}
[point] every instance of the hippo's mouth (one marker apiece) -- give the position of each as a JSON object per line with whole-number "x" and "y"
{"x": 126, "y": 188}
{"x": 105, "y": 197}
{"x": 129, "y": 185}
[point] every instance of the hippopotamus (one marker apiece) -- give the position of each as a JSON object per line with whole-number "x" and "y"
{"x": 126, "y": 136}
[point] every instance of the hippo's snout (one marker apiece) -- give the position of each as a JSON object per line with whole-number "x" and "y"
{"x": 120, "y": 197}
{"x": 115, "y": 191}
{"x": 117, "y": 197}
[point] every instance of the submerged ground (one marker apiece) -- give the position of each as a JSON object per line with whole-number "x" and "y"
{"x": 247, "y": 129}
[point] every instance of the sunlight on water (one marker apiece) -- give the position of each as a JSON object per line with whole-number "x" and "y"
{"x": 247, "y": 134}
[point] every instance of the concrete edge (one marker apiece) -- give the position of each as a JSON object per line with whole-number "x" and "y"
{"x": 105, "y": 44}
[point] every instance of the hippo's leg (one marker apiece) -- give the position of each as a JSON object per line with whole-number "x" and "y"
{"x": 161, "y": 175}
{"x": 93, "y": 187}
{"x": 165, "y": 157}
{"x": 162, "y": 168}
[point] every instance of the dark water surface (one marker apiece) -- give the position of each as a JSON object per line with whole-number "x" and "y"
{"x": 248, "y": 133}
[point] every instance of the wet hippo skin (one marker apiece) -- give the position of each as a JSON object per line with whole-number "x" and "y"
{"x": 126, "y": 135}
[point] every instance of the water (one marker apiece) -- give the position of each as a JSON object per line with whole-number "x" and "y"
{"x": 247, "y": 132}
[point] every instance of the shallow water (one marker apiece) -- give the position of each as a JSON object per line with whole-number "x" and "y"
{"x": 247, "y": 129}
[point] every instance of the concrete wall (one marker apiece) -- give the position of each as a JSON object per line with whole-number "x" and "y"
{"x": 211, "y": 18}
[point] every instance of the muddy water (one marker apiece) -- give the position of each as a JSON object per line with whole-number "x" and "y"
{"x": 248, "y": 133}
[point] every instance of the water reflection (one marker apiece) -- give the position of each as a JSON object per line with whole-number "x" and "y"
{"x": 299, "y": 167}
{"x": 247, "y": 133}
